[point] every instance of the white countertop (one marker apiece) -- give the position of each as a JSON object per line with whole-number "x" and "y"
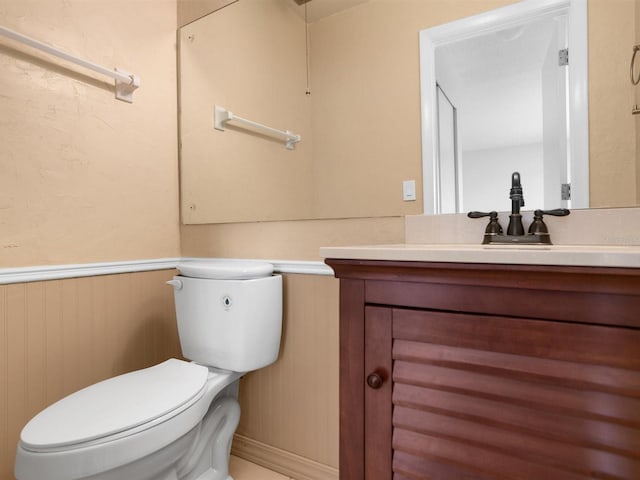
{"x": 570, "y": 255}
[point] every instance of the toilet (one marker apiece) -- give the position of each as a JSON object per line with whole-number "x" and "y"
{"x": 175, "y": 420}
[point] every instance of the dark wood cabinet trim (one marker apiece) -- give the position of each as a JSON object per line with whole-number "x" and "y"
{"x": 565, "y": 278}
{"x": 351, "y": 379}
{"x": 607, "y": 296}
{"x": 377, "y": 399}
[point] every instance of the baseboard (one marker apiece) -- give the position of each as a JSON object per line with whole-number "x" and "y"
{"x": 281, "y": 461}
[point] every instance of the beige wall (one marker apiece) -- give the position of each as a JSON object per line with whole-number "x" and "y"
{"x": 300, "y": 240}
{"x": 612, "y": 138}
{"x": 62, "y": 335}
{"x": 637, "y": 101}
{"x": 84, "y": 177}
{"x": 190, "y": 10}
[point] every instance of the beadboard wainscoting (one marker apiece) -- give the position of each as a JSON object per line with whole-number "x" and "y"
{"x": 59, "y": 336}
{"x": 290, "y": 410}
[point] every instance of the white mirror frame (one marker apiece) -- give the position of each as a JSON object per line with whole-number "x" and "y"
{"x": 505, "y": 17}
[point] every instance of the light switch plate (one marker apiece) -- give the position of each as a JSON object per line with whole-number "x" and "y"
{"x": 409, "y": 190}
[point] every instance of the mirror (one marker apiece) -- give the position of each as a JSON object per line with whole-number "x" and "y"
{"x": 495, "y": 99}
{"x": 361, "y": 125}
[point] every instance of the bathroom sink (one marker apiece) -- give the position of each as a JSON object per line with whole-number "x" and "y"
{"x": 576, "y": 255}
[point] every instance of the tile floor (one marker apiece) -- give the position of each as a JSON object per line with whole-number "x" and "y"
{"x": 241, "y": 469}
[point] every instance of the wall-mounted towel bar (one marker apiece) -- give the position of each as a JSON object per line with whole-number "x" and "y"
{"x": 634, "y": 80}
{"x": 222, "y": 116}
{"x": 125, "y": 83}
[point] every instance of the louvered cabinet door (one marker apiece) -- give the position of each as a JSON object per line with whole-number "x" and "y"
{"x": 489, "y": 397}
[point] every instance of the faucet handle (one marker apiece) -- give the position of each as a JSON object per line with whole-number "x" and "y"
{"x": 558, "y": 212}
{"x": 492, "y": 214}
{"x": 493, "y": 228}
{"x": 538, "y": 227}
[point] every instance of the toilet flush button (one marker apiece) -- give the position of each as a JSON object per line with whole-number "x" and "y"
{"x": 177, "y": 284}
{"x": 227, "y": 302}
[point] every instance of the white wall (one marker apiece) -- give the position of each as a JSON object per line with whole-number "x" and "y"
{"x": 492, "y": 193}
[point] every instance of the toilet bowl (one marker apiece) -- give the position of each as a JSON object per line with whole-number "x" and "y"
{"x": 174, "y": 420}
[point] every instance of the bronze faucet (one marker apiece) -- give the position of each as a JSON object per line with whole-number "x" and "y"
{"x": 517, "y": 200}
{"x": 538, "y": 232}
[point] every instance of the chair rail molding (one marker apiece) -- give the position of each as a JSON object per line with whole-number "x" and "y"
{"x": 57, "y": 272}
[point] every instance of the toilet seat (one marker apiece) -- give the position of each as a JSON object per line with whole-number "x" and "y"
{"x": 117, "y": 406}
{"x": 62, "y": 459}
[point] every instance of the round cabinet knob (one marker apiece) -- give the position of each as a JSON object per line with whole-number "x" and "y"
{"x": 374, "y": 380}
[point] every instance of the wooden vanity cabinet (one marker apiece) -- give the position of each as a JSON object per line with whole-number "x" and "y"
{"x": 472, "y": 371}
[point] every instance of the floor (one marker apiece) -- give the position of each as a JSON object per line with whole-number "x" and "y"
{"x": 241, "y": 469}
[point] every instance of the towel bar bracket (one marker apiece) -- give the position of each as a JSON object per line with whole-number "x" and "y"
{"x": 124, "y": 90}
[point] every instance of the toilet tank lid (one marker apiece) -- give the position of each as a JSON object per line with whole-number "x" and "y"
{"x": 115, "y": 405}
{"x": 225, "y": 269}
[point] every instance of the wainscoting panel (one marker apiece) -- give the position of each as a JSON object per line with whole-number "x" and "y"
{"x": 292, "y": 405}
{"x": 59, "y": 336}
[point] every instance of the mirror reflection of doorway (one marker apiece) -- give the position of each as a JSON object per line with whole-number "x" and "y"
{"x": 509, "y": 85}
{"x": 510, "y": 116}
{"x": 447, "y": 166}
{"x": 555, "y": 85}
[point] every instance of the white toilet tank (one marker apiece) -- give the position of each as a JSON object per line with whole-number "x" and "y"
{"x": 229, "y": 313}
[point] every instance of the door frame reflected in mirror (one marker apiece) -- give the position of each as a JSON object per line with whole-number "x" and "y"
{"x": 577, "y": 99}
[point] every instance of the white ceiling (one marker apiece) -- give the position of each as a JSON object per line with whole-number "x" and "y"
{"x": 495, "y": 80}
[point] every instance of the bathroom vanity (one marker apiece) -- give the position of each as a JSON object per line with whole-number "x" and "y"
{"x": 500, "y": 369}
